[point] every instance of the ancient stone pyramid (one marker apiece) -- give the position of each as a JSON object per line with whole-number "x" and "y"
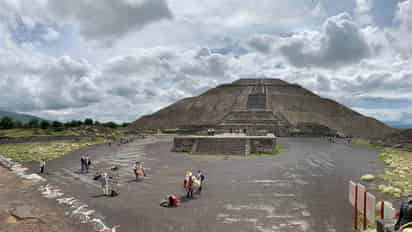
{"x": 265, "y": 105}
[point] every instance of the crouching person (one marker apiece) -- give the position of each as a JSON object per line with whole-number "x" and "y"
{"x": 170, "y": 201}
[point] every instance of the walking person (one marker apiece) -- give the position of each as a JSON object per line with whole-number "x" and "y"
{"x": 42, "y": 165}
{"x": 87, "y": 163}
{"x": 201, "y": 177}
{"x": 188, "y": 184}
{"x": 105, "y": 184}
{"x": 136, "y": 169}
{"x": 82, "y": 163}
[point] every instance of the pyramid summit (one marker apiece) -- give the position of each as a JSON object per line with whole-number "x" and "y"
{"x": 260, "y": 106}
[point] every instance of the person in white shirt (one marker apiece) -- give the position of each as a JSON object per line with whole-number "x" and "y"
{"x": 42, "y": 166}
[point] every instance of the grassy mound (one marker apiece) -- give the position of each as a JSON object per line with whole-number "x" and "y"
{"x": 398, "y": 172}
{"x": 35, "y": 151}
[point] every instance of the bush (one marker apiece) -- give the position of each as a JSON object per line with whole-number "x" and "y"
{"x": 57, "y": 126}
{"x": 6, "y": 123}
{"x": 88, "y": 122}
{"x": 34, "y": 123}
{"x": 111, "y": 125}
{"x": 44, "y": 125}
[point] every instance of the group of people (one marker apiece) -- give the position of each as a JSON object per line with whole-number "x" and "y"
{"x": 108, "y": 184}
{"x": 193, "y": 183}
{"x": 85, "y": 163}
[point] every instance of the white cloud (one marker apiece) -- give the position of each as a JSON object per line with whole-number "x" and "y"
{"x": 341, "y": 42}
{"x": 363, "y": 11}
{"x": 192, "y": 46}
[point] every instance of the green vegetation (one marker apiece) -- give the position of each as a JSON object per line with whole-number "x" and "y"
{"x": 398, "y": 172}
{"x": 277, "y": 152}
{"x": 7, "y": 123}
{"x": 367, "y": 143}
{"x": 21, "y": 132}
{"x": 35, "y": 151}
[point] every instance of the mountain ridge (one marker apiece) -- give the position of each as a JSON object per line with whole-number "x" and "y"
{"x": 24, "y": 118}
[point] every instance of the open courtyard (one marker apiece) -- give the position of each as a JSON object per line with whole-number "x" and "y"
{"x": 302, "y": 189}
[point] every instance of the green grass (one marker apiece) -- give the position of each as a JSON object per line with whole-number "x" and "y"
{"x": 33, "y": 132}
{"x": 278, "y": 151}
{"x": 26, "y": 152}
{"x": 367, "y": 143}
{"x": 398, "y": 172}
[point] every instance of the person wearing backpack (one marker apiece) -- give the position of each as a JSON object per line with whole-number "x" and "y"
{"x": 405, "y": 214}
{"x": 200, "y": 176}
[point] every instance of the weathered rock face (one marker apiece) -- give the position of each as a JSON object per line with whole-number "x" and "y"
{"x": 253, "y": 104}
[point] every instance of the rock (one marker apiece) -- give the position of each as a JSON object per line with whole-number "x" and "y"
{"x": 368, "y": 177}
{"x": 24, "y": 212}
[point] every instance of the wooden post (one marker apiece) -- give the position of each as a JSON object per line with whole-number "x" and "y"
{"x": 356, "y": 207}
{"x": 382, "y": 210}
{"x": 365, "y": 220}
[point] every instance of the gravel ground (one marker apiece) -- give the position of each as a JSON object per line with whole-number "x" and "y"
{"x": 304, "y": 189}
{"x": 34, "y": 213}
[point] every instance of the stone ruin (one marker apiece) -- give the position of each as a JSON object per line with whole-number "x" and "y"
{"x": 257, "y": 107}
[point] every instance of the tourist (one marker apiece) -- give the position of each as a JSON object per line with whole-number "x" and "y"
{"x": 42, "y": 165}
{"x": 138, "y": 170}
{"x": 105, "y": 183}
{"x": 82, "y": 163}
{"x": 405, "y": 214}
{"x": 188, "y": 184}
{"x": 170, "y": 201}
{"x": 87, "y": 163}
{"x": 135, "y": 170}
{"x": 201, "y": 177}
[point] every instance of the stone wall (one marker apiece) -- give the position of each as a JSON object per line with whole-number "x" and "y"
{"x": 224, "y": 145}
{"x": 262, "y": 146}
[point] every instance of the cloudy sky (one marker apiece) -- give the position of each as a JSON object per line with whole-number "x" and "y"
{"x": 117, "y": 60}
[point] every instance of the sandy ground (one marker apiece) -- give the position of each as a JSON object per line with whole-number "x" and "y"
{"x": 35, "y": 214}
{"x": 305, "y": 189}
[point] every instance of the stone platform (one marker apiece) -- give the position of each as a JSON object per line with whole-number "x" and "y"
{"x": 225, "y": 144}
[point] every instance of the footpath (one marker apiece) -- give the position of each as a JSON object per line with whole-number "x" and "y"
{"x": 22, "y": 208}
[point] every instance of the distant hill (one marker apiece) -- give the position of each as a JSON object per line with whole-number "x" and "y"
{"x": 399, "y": 125}
{"x": 24, "y": 118}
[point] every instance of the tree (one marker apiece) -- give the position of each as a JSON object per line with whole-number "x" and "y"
{"x": 44, "y": 125}
{"x": 18, "y": 124}
{"x": 88, "y": 121}
{"x": 6, "y": 123}
{"x": 74, "y": 123}
{"x": 34, "y": 123}
{"x": 57, "y": 126}
{"x": 110, "y": 124}
{"x": 125, "y": 124}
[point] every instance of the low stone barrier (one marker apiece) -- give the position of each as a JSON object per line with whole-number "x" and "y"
{"x": 225, "y": 145}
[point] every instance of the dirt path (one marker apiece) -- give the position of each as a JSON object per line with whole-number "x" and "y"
{"x": 32, "y": 213}
{"x": 303, "y": 190}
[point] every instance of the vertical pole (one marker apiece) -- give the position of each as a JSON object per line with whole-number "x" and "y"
{"x": 356, "y": 207}
{"x": 365, "y": 221}
{"x": 382, "y": 210}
